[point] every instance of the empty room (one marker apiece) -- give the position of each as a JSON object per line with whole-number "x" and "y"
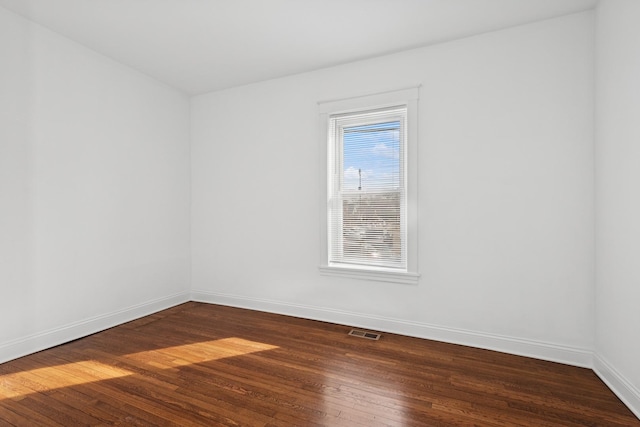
{"x": 319, "y": 213}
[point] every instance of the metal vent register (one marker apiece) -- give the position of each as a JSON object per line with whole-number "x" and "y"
{"x": 364, "y": 334}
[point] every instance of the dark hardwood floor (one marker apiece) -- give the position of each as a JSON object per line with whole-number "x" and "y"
{"x": 208, "y": 365}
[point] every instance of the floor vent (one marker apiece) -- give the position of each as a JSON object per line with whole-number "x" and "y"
{"x": 364, "y": 334}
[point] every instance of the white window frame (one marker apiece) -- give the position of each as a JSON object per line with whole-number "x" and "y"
{"x": 404, "y": 97}
{"x": 338, "y": 123}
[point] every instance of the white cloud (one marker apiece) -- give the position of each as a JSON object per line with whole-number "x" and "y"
{"x": 386, "y": 151}
{"x": 350, "y": 173}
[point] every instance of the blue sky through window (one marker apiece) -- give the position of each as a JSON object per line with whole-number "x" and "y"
{"x": 371, "y": 157}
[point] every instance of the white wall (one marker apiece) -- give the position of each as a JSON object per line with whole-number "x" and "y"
{"x": 618, "y": 198}
{"x": 94, "y": 190}
{"x": 506, "y": 193}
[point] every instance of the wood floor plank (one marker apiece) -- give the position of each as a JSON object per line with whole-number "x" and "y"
{"x": 208, "y": 365}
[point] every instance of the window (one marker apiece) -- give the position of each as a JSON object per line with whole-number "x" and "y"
{"x": 369, "y": 206}
{"x": 367, "y": 214}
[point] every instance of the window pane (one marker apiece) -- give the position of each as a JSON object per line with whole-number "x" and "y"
{"x": 371, "y": 198}
{"x": 371, "y": 158}
{"x": 371, "y": 229}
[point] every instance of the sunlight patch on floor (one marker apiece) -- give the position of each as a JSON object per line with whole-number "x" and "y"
{"x": 52, "y": 377}
{"x": 187, "y": 354}
{"x": 19, "y": 384}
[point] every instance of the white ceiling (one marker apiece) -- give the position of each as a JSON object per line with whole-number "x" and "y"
{"x": 204, "y": 45}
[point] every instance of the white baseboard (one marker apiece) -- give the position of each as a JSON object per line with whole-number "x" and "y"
{"x": 625, "y": 391}
{"x": 540, "y": 350}
{"x": 53, "y": 337}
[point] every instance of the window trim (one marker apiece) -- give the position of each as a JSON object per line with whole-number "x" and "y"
{"x": 408, "y": 97}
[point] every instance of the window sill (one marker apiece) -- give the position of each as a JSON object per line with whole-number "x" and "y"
{"x": 379, "y": 276}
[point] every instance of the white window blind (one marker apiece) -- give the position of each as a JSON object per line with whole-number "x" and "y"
{"x": 367, "y": 214}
